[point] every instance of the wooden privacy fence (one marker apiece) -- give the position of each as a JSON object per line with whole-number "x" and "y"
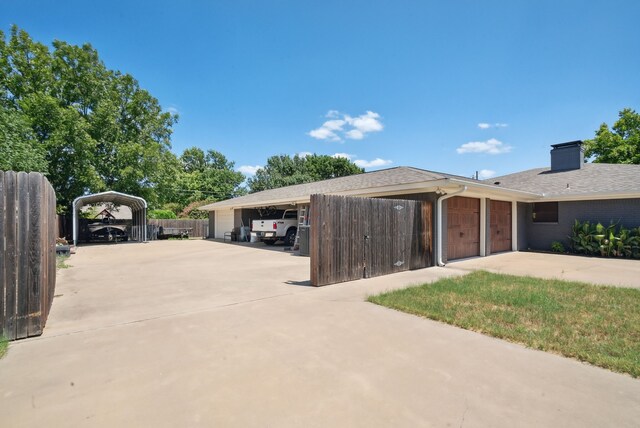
{"x": 197, "y": 228}
{"x": 353, "y": 238}
{"x": 28, "y": 258}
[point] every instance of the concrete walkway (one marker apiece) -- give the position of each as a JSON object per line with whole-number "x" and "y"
{"x": 595, "y": 270}
{"x": 199, "y": 333}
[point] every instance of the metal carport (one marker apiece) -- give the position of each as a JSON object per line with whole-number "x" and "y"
{"x": 138, "y": 211}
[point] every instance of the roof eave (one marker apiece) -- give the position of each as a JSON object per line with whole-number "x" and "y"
{"x": 591, "y": 196}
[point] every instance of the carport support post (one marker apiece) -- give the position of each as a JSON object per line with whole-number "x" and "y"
{"x": 144, "y": 224}
{"x": 74, "y": 209}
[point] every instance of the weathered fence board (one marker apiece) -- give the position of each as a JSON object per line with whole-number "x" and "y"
{"x": 353, "y": 238}
{"x": 27, "y": 260}
{"x": 198, "y": 228}
{"x": 23, "y": 261}
{"x": 2, "y": 250}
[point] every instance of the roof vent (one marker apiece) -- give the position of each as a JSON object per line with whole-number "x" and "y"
{"x": 567, "y": 156}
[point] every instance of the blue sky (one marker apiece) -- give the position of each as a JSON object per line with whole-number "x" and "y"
{"x": 388, "y": 83}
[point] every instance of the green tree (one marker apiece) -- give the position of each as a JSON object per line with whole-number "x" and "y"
{"x": 284, "y": 170}
{"x": 18, "y": 146}
{"x": 95, "y": 128}
{"x": 205, "y": 177}
{"x": 620, "y": 144}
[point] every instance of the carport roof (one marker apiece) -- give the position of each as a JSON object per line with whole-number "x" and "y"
{"x": 391, "y": 180}
{"x": 134, "y": 202}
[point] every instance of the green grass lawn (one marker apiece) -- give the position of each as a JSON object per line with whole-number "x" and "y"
{"x": 61, "y": 262}
{"x": 4, "y": 345}
{"x": 599, "y": 325}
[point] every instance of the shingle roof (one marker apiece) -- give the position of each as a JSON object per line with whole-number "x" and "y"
{"x": 375, "y": 179}
{"x": 591, "y": 178}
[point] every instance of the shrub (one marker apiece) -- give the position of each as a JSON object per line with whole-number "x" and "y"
{"x": 168, "y": 214}
{"x": 598, "y": 240}
{"x": 557, "y": 247}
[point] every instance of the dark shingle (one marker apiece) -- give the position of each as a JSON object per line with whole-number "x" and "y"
{"x": 591, "y": 178}
{"x": 386, "y": 177}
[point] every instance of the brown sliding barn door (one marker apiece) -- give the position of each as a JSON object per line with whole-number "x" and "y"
{"x": 463, "y": 227}
{"x": 500, "y": 226}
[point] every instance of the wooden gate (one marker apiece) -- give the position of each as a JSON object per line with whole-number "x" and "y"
{"x": 28, "y": 226}
{"x": 500, "y": 226}
{"x": 463, "y": 227}
{"x": 353, "y": 238}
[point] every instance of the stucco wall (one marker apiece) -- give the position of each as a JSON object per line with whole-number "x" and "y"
{"x": 539, "y": 236}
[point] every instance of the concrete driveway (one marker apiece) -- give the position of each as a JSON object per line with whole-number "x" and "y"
{"x": 619, "y": 272}
{"x": 201, "y": 333}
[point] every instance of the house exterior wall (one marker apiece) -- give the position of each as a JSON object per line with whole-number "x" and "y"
{"x": 524, "y": 217}
{"x": 539, "y": 236}
{"x": 212, "y": 224}
{"x": 487, "y": 227}
{"x": 247, "y": 215}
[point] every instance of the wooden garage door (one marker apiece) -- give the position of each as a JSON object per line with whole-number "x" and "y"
{"x": 500, "y": 226}
{"x": 463, "y": 227}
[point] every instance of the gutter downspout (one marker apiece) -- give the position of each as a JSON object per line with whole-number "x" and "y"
{"x": 439, "y": 221}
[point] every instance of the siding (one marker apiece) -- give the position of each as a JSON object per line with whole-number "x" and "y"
{"x": 539, "y": 236}
{"x": 524, "y": 218}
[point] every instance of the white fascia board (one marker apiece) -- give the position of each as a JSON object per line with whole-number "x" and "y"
{"x": 591, "y": 196}
{"x": 491, "y": 189}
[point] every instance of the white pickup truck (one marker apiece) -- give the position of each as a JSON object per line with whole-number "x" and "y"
{"x": 279, "y": 229}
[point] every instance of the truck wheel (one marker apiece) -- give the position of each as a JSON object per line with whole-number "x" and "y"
{"x": 290, "y": 238}
{"x": 269, "y": 242}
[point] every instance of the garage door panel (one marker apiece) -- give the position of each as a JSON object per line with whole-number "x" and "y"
{"x": 224, "y": 222}
{"x": 500, "y": 225}
{"x": 463, "y": 227}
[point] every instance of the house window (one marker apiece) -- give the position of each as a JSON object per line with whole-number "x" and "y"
{"x": 545, "y": 212}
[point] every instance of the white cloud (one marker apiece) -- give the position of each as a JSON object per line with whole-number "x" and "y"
{"x": 372, "y": 164}
{"x": 483, "y": 174}
{"x": 491, "y": 146}
{"x": 304, "y": 154}
{"x": 354, "y": 134}
{"x": 324, "y": 134}
{"x": 334, "y": 125}
{"x": 342, "y": 155}
{"x": 341, "y": 126}
{"x": 172, "y": 110}
{"x": 368, "y": 122}
{"x": 248, "y": 169}
{"x": 484, "y": 125}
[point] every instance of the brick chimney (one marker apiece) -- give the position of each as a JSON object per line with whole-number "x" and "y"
{"x": 567, "y": 156}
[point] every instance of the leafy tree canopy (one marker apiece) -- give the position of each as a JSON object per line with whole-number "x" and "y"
{"x": 17, "y": 144}
{"x": 205, "y": 177}
{"x": 284, "y": 170}
{"x": 620, "y": 144}
{"x": 87, "y": 127}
